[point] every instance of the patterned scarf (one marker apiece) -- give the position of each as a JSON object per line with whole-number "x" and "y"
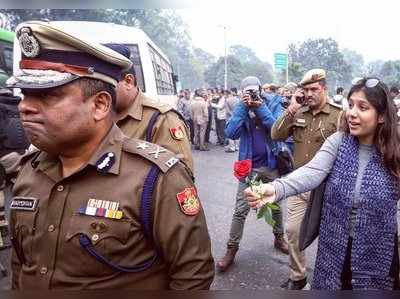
{"x": 375, "y": 228}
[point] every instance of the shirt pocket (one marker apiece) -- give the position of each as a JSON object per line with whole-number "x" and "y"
{"x": 324, "y": 131}
{"x": 23, "y": 235}
{"x": 108, "y": 236}
{"x": 299, "y": 132}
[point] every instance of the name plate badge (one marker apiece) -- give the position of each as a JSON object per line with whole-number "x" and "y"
{"x": 24, "y": 203}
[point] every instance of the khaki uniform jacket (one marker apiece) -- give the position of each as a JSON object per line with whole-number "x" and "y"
{"x": 309, "y": 131}
{"x": 199, "y": 111}
{"x": 135, "y": 124}
{"x": 47, "y": 253}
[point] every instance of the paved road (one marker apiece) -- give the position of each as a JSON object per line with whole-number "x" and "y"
{"x": 258, "y": 264}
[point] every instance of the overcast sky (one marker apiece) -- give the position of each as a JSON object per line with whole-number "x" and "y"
{"x": 371, "y": 28}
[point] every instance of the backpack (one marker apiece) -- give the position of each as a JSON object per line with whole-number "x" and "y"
{"x": 12, "y": 135}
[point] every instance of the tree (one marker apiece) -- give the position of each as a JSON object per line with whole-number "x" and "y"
{"x": 214, "y": 75}
{"x": 373, "y": 68}
{"x": 355, "y": 60}
{"x": 251, "y": 64}
{"x": 163, "y": 26}
{"x": 320, "y": 53}
{"x": 244, "y": 54}
{"x": 390, "y": 72}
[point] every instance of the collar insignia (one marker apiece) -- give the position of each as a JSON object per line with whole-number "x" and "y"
{"x": 105, "y": 162}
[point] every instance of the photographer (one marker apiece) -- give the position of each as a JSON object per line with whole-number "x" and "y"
{"x": 251, "y": 121}
{"x": 309, "y": 119}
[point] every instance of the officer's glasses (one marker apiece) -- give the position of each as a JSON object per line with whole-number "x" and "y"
{"x": 370, "y": 83}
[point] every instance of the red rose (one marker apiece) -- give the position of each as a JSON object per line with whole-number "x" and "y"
{"x": 241, "y": 169}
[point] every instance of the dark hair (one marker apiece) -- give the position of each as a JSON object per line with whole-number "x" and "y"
{"x": 234, "y": 89}
{"x": 339, "y": 90}
{"x": 394, "y": 89}
{"x": 91, "y": 86}
{"x": 387, "y": 138}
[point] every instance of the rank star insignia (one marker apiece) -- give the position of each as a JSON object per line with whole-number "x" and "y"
{"x": 177, "y": 133}
{"x": 157, "y": 152}
{"x": 189, "y": 201}
{"x": 142, "y": 145}
{"x": 30, "y": 46}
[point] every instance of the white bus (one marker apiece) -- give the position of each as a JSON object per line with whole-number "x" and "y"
{"x": 153, "y": 70}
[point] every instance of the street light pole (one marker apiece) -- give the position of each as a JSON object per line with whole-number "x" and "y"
{"x": 226, "y": 63}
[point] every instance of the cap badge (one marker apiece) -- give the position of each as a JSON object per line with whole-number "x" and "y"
{"x": 30, "y": 46}
{"x": 177, "y": 133}
{"x": 315, "y": 77}
{"x": 105, "y": 162}
{"x": 189, "y": 201}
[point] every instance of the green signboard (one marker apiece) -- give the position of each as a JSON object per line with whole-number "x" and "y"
{"x": 280, "y": 61}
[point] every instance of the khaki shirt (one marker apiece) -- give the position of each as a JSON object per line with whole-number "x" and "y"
{"x": 309, "y": 131}
{"x": 199, "y": 111}
{"x": 169, "y": 130}
{"x": 47, "y": 253}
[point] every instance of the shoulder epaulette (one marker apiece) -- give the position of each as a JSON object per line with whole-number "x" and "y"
{"x": 154, "y": 153}
{"x": 336, "y": 105}
{"x": 29, "y": 154}
{"x": 155, "y": 104}
{"x": 304, "y": 109}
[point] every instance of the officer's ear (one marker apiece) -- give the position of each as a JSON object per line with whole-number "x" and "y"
{"x": 129, "y": 81}
{"x": 102, "y": 105}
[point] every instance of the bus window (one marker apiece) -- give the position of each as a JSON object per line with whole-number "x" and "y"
{"x": 162, "y": 73}
{"x": 8, "y": 59}
{"x": 137, "y": 66}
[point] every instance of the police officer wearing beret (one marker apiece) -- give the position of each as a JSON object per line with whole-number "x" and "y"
{"x": 309, "y": 119}
{"x": 139, "y": 116}
{"x": 93, "y": 208}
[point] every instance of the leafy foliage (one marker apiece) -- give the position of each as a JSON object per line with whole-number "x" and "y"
{"x": 319, "y": 53}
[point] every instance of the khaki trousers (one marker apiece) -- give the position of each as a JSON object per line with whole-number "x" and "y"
{"x": 296, "y": 208}
{"x": 199, "y": 135}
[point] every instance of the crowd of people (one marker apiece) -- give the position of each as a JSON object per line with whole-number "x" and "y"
{"x": 301, "y": 118}
{"x": 104, "y": 197}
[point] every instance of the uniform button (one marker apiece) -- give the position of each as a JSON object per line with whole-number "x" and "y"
{"x": 306, "y": 155}
{"x": 353, "y": 281}
{"x": 95, "y": 237}
{"x": 51, "y": 228}
{"x": 60, "y": 188}
{"x": 43, "y": 270}
{"x": 308, "y": 141}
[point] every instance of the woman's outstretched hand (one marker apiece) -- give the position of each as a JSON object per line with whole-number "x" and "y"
{"x": 265, "y": 193}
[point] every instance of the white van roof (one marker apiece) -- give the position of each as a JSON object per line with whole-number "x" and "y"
{"x": 103, "y": 33}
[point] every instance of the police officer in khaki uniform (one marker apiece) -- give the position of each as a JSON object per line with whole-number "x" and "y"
{"x": 309, "y": 119}
{"x": 92, "y": 208}
{"x": 140, "y": 117}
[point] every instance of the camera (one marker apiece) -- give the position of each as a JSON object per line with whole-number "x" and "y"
{"x": 253, "y": 94}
